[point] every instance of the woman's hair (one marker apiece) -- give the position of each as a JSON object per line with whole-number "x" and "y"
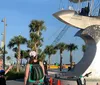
{"x": 31, "y": 61}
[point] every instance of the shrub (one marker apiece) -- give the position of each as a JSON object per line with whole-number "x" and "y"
{"x": 12, "y": 75}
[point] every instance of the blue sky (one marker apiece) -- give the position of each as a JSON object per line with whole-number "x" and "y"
{"x": 19, "y": 13}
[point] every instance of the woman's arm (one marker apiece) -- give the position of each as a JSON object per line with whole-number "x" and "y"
{"x": 10, "y": 67}
{"x": 41, "y": 64}
{"x": 26, "y": 74}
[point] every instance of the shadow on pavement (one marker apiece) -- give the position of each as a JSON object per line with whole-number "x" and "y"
{"x": 20, "y": 80}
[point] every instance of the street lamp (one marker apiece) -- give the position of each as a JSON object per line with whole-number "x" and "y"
{"x": 4, "y": 40}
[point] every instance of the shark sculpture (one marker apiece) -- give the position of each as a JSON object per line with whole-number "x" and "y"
{"x": 72, "y": 18}
{"x": 90, "y": 33}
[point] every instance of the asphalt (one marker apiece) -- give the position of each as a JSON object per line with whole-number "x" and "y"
{"x": 15, "y": 82}
{"x": 20, "y": 82}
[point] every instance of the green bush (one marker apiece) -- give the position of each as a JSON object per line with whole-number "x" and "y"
{"x": 12, "y": 75}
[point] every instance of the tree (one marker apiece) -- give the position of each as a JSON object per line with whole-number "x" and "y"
{"x": 22, "y": 55}
{"x": 36, "y": 41}
{"x": 83, "y": 48}
{"x": 22, "y": 52}
{"x": 0, "y": 50}
{"x": 41, "y": 56}
{"x": 25, "y": 54}
{"x": 30, "y": 44}
{"x": 71, "y": 48}
{"x": 15, "y": 49}
{"x": 17, "y": 41}
{"x": 61, "y": 47}
{"x": 49, "y": 50}
{"x": 8, "y": 58}
{"x": 36, "y": 28}
{"x": 9, "y": 61}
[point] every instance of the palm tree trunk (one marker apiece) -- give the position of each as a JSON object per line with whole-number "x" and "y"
{"x": 38, "y": 33}
{"x": 18, "y": 59}
{"x": 21, "y": 61}
{"x": 35, "y": 47}
{"x": 71, "y": 60}
{"x": 61, "y": 61}
{"x": 49, "y": 61}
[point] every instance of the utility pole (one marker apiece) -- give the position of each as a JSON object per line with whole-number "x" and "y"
{"x": 4, "y": 40}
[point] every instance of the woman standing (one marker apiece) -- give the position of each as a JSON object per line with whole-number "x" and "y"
{"x": 3, "y": 72}
{"x": 34, "y": 72}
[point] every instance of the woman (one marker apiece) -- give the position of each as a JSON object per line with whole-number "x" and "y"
{"x": 3, "y": 72}
{"x": 33, "y": 61}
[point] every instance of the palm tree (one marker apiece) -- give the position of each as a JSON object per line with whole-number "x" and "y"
{"x": 83, "y": 48}
{"x": 30, "y": 44}
{"x": 15, "y": 49}
{"x": 61, "y": 47}
{"x": 71, "y": 48}
{"x": 8, "y": 58}
{"x": 41, "y": 56}
{"x": 0, "y": 50}
{"x": 22, "y": 55}
{"x": 49, "y": 50}
{"x": 36, "y": 28}
{"x": 17, "y": 41}
{"x": 26, "y": 55}
{"x": 36, "y": 41}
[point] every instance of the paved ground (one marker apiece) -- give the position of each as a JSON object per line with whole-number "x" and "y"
{"x": 20, "y": 82}
{"x": 15, "y": 82}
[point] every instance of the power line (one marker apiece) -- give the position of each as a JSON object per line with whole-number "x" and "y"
{"x": 55, "y": 33}
{"x": 61, "y": 5}
{"x": 97, "y": 6}
{"x": 63, "y": 31}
